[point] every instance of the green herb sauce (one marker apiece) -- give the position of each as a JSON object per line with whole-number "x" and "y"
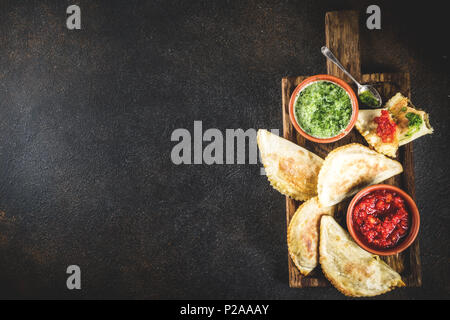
{"x": 414, "y": 124}
{"x": 368, "y": 99}
{"x": 323, "y": 109}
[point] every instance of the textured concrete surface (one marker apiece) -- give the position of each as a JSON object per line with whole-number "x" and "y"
{"x": 85, "y": 124}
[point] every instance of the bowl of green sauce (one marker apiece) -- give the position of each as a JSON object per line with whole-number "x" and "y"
{"x": 323, "y": 108}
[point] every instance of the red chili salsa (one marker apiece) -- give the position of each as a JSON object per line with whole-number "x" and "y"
{"x": 381, "y": 218}
{"x": 385, "y": 127}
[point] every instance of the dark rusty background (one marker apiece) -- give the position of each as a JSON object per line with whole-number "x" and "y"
{"x": 85, "y": 124}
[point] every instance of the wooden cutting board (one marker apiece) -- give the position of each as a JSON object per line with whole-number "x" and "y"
{"x": 342, "y": 37}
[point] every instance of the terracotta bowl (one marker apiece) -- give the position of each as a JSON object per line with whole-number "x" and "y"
{"x": 337, "y": 81}
{"x": 413, "y": 227}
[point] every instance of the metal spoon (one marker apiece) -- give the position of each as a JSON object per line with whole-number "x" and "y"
{"x": 361, "y": 87}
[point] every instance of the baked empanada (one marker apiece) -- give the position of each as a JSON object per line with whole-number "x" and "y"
{"x": 352, "y": 270}
{"x": 350, "y": 168}
{"x": 291, "y": 169}
{"x": 303, "y": 234}
{"x": 368, "y": 129}
{"x": 411, "y": 123}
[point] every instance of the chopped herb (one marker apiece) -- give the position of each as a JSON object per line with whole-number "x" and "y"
{"x": 368, "y": 99}
{"x": 403, "y": 109}
{"x": 414, "y": 124}
{"x": 323, "y": 109}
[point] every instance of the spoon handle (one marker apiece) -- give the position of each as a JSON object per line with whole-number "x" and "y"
{"x": 327, "y": 53}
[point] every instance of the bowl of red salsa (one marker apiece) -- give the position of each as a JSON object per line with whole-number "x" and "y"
{"x": 383, "y": 219}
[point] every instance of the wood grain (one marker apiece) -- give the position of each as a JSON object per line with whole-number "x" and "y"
{"x": 342, "y": 38}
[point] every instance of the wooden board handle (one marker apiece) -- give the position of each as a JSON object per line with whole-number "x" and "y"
{"x": 342, "y": 38}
